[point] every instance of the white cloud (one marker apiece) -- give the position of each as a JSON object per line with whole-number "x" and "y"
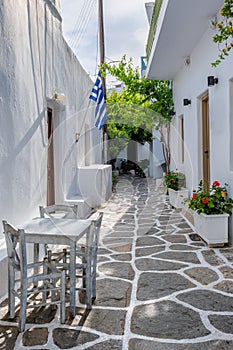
{"x": 123, "y": 8}
{"x": 126, "y": 30}
{"x": 141, "y": 36}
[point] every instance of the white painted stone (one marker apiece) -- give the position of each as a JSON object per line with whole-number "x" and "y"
{"x": 190, "y": 81}
{"x": 36, "y": 63}
{"x": 177, "y": 198}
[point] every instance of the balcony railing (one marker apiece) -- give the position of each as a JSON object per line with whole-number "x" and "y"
{"x": 153, "y": 26}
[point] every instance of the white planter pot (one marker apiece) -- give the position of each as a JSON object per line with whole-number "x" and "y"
{"x": 213, "y": 229}
{"x": 177, "y": 198}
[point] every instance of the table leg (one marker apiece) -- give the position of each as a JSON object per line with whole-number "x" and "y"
{"x": 72, "y": 279}
{"x": 36, "y": 259}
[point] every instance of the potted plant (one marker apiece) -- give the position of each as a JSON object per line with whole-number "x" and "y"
{"x": 174, "y": 182}
{"x": 211, "y": 212}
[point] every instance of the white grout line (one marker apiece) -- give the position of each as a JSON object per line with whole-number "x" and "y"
{"x": 119, "y": 211}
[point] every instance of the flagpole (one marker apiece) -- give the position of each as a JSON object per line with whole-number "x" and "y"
{"x": 101, "y": 42}
{"x": 102, "y": 60}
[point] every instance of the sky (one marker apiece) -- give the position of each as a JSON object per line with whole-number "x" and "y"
{"x": 125, "y": 27}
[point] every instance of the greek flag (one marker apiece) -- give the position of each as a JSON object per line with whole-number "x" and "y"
{"x": 97, "y": 95}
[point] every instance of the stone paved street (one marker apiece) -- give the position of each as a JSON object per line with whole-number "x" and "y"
{"x": 159, "y": 287}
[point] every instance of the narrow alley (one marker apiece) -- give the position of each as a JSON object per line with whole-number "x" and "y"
{"x": 159, "y": 287}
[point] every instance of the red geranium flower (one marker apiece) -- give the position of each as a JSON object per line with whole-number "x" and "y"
{"x": 212, "y": 201}
{"x": 205, "y": 200}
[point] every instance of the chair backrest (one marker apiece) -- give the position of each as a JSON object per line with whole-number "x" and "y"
{"x": 61, "y": 210}
{"x": 16, "y": 246}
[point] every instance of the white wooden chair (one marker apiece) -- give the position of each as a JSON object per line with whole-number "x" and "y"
{"x": 24, "y": 281}
{"x": 86, "y": 254}
{"x": 58, "y": 211}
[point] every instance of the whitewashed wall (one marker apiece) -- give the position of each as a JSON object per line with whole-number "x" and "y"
{"x": 191, "y": 83}
{"x": 36, "y": 62}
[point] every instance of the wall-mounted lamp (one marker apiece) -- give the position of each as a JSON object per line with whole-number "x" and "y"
{"x": 212, "y": 80}
{"x": 77, "y": 136}
{"x": 59, "y": 96}
{"x": 172, "y": 113}
{"x": 186, "y": 102}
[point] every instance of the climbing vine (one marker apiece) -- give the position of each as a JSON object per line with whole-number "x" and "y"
{"x": 224, "y": 37}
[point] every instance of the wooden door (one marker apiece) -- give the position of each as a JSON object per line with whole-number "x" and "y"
{"x": 205, "y": 141}
{"x": 182, "y": 139}
{"x": 50, "y": 160}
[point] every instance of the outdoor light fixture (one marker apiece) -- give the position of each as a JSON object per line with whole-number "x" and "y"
{"x": 59, "y": 96}
{"x": 212, "y": 80}
{"x": 186, "y": 102}
{"x": 172, "y": 113}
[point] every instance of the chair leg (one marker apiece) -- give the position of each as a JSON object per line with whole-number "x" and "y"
{"x": 63, "y": 297}
{"x": 44, "y": 293}
{"x": 88, "y": 283}
{"x": 84, "y": 262}
{"x": 64, "y": 259}
{"x": 23, "y": 308}
{"x": 46, "y": 249}
{"x": 49, "y": 255}
{"x": 53, "y": 294}
{"x": 11, "y": 296}
{"x": 36, "y": 258}
{"x": 94, "y": 274}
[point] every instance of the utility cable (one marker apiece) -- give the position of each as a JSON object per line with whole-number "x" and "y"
{"x": 84, "y": 26}
{"x": 77, "y": 24}
{"x": 80, "y": 30}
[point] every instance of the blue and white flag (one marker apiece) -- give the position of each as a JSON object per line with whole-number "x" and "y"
{"x": 97, "y": 95}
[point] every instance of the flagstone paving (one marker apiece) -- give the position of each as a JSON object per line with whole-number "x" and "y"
{"x": 159, "y": 287}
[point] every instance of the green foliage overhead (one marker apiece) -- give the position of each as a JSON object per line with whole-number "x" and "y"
{"x": 143, "y": 105}
{"x": 153, "y": 94}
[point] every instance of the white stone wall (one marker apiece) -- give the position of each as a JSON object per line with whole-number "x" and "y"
{"x": 36, "y": 62}
{"x": 191, "y": 83}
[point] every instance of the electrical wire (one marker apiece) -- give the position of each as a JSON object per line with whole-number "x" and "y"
{"x": 81, "y": 24}
{"x": 77, "y": 25}
{"x": 84, "y": 26}
{"x": 97, "y": 52}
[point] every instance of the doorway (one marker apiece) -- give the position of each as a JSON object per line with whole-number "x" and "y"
{"x": 205, "y": 141}
{"x": 50, "y": 160}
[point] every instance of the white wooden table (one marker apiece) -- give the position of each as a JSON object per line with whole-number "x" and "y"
{"x": 59, "y": 232}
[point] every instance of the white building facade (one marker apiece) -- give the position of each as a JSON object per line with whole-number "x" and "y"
{"x": 47, "y": 124}
{"x": 182, "y": 50}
